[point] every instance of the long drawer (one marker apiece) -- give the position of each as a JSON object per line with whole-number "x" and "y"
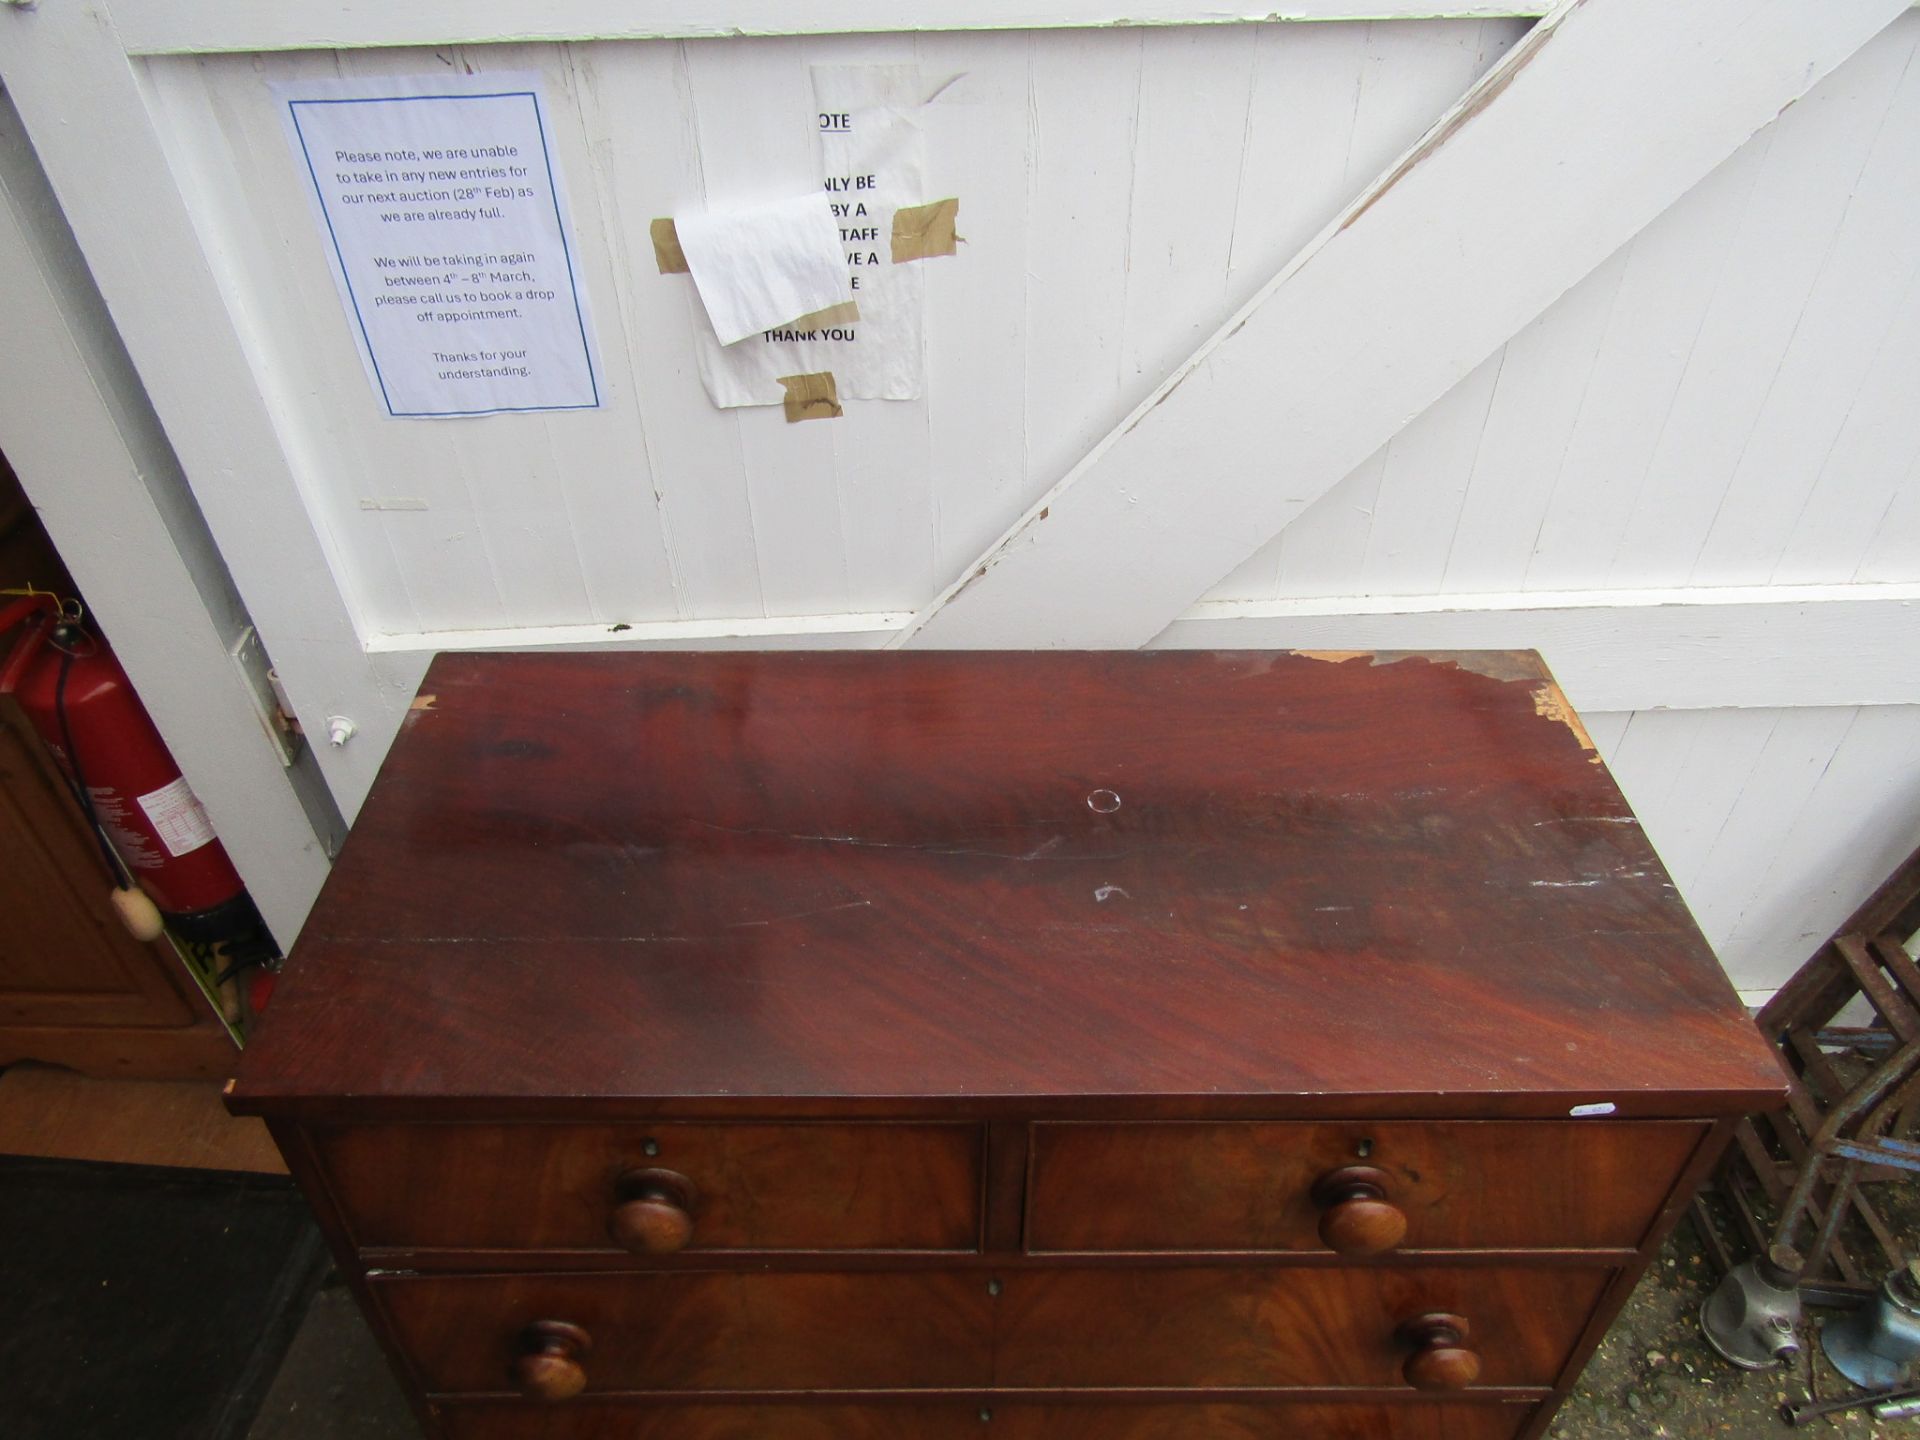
{"x": 1282, "y": 1325}
{"x": 1271, "y": 1186}
{"x": 997, "y": 1421}
{"x": 681, "y": 1330}
{"x": 738, "y": 1186}
{"x": 1031, "y": 1328}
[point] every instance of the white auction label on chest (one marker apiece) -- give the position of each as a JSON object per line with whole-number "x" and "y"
{"x": 444, "y": 219}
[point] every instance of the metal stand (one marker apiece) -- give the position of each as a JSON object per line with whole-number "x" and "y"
{"x": 1807, "y": 1162}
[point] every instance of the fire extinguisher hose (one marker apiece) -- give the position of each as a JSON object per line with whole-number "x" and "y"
{"x": 115, "y": 867}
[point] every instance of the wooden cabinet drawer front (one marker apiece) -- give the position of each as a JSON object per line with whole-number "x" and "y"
{"x": 1250, "y": 1185}
{"x": 1280, "y": 1326}
{"x": 681, "y": 1330}
{"x": 757, "y": 1187}
{"x": 1021, "y": 1421}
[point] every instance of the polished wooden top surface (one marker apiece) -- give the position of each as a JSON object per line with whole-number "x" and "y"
{"x": 1240, "y": 883}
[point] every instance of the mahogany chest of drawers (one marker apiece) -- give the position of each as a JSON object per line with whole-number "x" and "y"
{"x": 1165, "y": 1046}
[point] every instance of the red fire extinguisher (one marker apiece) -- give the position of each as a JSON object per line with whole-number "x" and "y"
{"x": 154, "y": 834}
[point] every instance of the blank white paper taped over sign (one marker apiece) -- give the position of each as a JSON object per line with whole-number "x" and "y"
{"x": 873, "y": 159}
{"x": 765, "y": 266}
{"x": 445, "y": 224}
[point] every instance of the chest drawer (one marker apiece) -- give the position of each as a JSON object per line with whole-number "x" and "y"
{"x": 680, "y": 1330}
{"x": 658, "y": 1188}
{"x": 1360, "y": 1188}
{"x": 1040, "y": 1329}
{"x": 1286, "y": 1326}
{"x": 1009, "y": 1421}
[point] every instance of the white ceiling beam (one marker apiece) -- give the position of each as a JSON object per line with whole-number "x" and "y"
{"x": 1696, "y": 649}
{"x": 1599, "y": 119}
{"x": 162, "y": 27}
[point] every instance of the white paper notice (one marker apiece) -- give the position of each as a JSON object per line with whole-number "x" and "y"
{"x": 759, "y": 268}
{"x": 873, "y": 160}
{"x": 445, "y": 223}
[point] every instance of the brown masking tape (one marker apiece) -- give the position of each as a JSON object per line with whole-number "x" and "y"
{"x": 921, "y": 232}
{"x": 811, "y": 397}
{"x": 667, "y": 253}
{"x": 845, "y": 313}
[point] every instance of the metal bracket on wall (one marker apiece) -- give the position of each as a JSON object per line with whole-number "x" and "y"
{"x": 250, "y": 660}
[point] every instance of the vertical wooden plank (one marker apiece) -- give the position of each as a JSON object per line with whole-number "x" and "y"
{"x": 637, "y": 101}
{"x": 1320, "y": 553}
{"x": 1294, "y": 174}
{"x": 1188, "y": 138}
{"x": 1544, "y": 373}
{"x": 1894, "y": 551}
{"x": 1762, "y": 821}
{"x": 1794, "y": 215}
{"x": 1402, "y": 77}
{"x": 1683, "y": 771}
{"x": 1082, "y": 113}
{"x": 1665, "y": 289}
{"x": 753, "y": 102}
{"x": 600, "y": 468}
{"x": 1847, "y": 317}
{"x": 974, "y": 445}
{"x": 1854, "y": 827}
{"x": 1872, "y": 458}
{"x": 883, "y": 456}
{"x": 1429, "y": 467}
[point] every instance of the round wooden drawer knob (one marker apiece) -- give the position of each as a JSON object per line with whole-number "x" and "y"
{"x": 1440, "y": 1358}
{"x": 547, "y": 1365}
{"x": 1356, "y": 1216}
{"x": 653, "y": 1212}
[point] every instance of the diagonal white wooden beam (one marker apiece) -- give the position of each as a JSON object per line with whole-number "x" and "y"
{"x": 1605, "y": 114}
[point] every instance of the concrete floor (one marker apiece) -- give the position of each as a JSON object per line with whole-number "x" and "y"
{"x": 334, "y": 1383}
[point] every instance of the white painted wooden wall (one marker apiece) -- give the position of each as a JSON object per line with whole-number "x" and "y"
{"x": 1122, "y": 191}
{"x": 1726, "y": 402}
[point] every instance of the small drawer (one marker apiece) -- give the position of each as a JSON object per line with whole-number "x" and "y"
{"x": 1419, "y": 1328}
{"x": 545, "y": 1335}
{"x": 656, "y": 1189}
{"x": 994, "y": 1419}
{"x": 1359, "y": 1188}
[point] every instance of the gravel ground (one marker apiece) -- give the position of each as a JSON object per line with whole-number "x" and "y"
{"x": 1654, "y": 1375}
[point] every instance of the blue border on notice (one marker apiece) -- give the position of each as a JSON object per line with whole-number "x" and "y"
{"x": 560, "y": 221}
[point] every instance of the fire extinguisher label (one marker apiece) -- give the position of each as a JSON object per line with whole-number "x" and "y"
{"x": 134, "y": 846}
{"x": 177, "y": 817}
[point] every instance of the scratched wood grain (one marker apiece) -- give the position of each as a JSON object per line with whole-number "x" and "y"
{"x": 907, "y": 879}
